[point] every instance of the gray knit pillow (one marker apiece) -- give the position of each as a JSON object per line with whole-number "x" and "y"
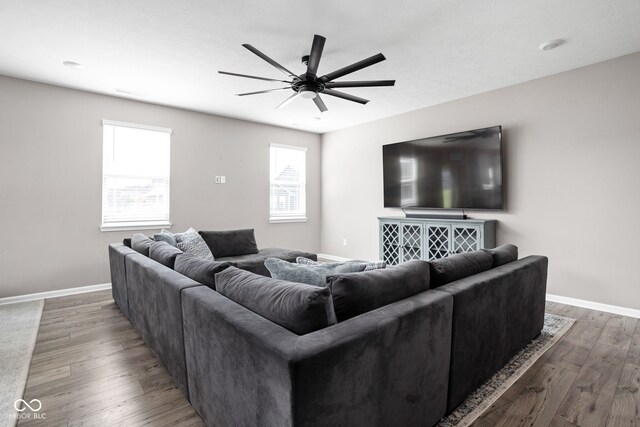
{"x": 369, "y": 265}
{"x": 191, "y": 242}
{"x": 310, "y": 274}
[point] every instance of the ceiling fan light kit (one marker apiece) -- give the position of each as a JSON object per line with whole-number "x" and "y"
{"x": 308, "y": 85}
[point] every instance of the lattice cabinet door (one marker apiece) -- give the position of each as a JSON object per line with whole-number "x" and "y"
{"x": 466, "y": 239}
{"x": 390, "y": 242}
{"x": 411, "y": 241}
{"x": 438, "y": 241}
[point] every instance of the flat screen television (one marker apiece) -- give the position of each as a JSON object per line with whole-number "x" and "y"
{"x": 456, "y": 171}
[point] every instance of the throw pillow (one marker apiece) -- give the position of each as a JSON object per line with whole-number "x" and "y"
{"x": 166, "y": 236}
{"x": 357, "y": 293}
{"x": 503, "y": 254}
{"x": 369, "y": 265}
{"x": 141, "y": 243}
{"x": 230, "y": 242}
{"x": 200, "y": 270}
{"x": 164, "y": 253}
{"x": 458, "y": 266}
{"x": 309, "y": 274}
{"x": 191, "y": 243}
{"x": 297, "y": 307}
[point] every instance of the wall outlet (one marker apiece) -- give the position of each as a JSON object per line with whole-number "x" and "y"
{"x": 223, "y": 179}
{"x": 344, "y": 242}
{"x": 217, "y": 179}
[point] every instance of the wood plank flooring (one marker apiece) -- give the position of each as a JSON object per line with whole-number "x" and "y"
{"x": 90, "y": 367}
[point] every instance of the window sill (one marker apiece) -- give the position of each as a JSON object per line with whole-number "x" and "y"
{"x": 135, "y": 226}
{"x": 278, "y": 220}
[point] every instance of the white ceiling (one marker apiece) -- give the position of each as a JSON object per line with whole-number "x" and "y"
{"x": 437, "y": 50}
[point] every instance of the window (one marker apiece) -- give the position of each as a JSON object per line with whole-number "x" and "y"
{"x": 135, "y": 176}
{"x": 288, "y": 184}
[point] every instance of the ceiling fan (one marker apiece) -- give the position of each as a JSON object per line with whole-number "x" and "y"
{"x": 308, "y": 85}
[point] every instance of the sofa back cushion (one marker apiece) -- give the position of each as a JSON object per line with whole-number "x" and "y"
{"x": 357, "y": 293}
{"x": 503, "y": 254}
{"x": 164, "y": 253}
{"x": 458, "y": 266}
{"x": 297, "y": 307}
{"x": 199, "y": 269}
{"x": 141, "y": 243}
{"x": 230, "y": 242}
{"x": 309, "y": 274}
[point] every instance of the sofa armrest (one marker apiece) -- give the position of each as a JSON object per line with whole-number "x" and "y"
{"x": 155, "y": 309}
{"x": 117, "y": 254}
{"x": 385, "y": 367}
{"x": 495, "y": 314}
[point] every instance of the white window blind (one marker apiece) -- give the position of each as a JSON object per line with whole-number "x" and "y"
{"x": 135, "y": 176}
{"x": 288, "y": 182}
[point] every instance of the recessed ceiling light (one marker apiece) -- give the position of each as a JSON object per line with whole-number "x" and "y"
{"x": 550, "y": 44}
{"x": 73, "y": 65}
{"x": 318, "y": 118}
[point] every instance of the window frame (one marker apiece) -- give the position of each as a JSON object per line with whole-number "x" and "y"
{"x": 133, "y": 225}
{"x": 284, "y": 218}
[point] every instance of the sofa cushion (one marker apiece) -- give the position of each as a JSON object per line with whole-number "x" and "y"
{"x": 503, "y": 254}
{"x": 199, "y": 269}
{"x": 357, "y": 293}
{"x": 369, "y": 265}
{"x": 166, "y": 236}
{"x": 191, "y": 243}
{"x": 297, "y": 307}
{"x": 164, "y": 253}
{"x": 458, "y": 266}
{"x": 309, "y": 274}
{"x": 231, "y": 242}
{"x": 141, "y": 243}
{"x": 127, "y": 242}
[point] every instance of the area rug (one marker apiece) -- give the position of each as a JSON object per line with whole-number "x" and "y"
{"x": 19, "y": 323}
{"x": 478, "y": 402}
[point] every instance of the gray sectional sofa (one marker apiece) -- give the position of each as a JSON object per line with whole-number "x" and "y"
{"x": 407, "y": 362}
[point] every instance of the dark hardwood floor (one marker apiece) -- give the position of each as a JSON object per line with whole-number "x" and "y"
{"x": 90, "y": 367}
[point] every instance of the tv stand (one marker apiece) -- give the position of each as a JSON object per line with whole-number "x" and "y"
{"x": 437, "y": 216}
{"x": 428, "y": 238}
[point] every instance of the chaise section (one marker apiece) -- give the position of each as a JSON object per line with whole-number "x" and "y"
{"x": 385, "y": 367}
{"x": 495, "y": 314}
{"x": 154, "y": 293}
{"x": 255, "y": 262}
{"x": 117, "y": 255}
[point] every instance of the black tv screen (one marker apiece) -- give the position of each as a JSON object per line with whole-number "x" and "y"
{"x": 457, "y": 171}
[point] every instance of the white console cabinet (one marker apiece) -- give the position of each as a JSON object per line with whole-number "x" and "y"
{"x": 404, "y": 239}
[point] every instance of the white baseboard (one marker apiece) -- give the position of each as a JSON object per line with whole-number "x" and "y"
{"x": 623, "y": 311}
{"x": 334, "y": 258}
{"x": 54, "y": 294}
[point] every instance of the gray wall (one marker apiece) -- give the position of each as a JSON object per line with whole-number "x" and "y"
{"x": 572, "y": 145}
{"x": 50, "y": 182}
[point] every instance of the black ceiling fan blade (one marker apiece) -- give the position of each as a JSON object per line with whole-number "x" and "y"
{"x": 269, "y": 60}
{"x": 320, "y": 103}
{"x": 263, "y": 91}
{"x": 289, "y": 100}
{"x": 316, "y": 53}
{"x": 353, "y": 67}
{"x": 365, "y": 83}
{"x": 345, "y": 96}
{"x": 253, "y": 77}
